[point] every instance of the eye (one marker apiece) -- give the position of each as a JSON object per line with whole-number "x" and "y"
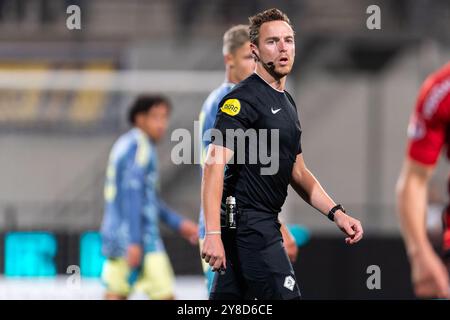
{"x": 271, "y": 41}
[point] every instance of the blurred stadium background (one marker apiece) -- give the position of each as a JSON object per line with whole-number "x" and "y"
{"x": 64, "y": 94}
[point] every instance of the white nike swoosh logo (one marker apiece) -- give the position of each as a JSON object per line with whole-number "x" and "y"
{"x": 275, "y": 111}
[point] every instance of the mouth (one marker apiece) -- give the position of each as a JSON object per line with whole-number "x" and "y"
{"x": 283, "y": 61}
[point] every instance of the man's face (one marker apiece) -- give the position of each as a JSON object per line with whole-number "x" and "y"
{"x": 242, "y": 62}
{"x": 155, "y": 122}
{"x": 277, "y": 45}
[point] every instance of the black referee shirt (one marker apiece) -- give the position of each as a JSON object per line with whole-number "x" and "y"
{"x": 254, "y": 104}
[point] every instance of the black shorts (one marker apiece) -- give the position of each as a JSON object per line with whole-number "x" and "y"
{"x": 257, "y": 264}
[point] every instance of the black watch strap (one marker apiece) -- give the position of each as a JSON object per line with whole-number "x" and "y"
{"x": 330, "y": 214}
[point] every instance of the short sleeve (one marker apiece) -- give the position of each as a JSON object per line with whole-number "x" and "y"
{"x": 234, "y": 117}
{"x": 291, "y": 100}
{"x": 427, "y": 130}
{"x": 299, "y": 149}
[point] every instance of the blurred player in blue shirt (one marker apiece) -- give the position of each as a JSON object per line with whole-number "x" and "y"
{"x": 131, "y": 237}
{"x": 239, "y": 64}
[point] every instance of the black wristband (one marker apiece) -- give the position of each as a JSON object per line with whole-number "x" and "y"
{"x": 330, "y": 214}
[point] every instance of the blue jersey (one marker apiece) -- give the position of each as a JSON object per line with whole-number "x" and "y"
{"x": 132, "y": 205}
{"x": 207, "y": 118}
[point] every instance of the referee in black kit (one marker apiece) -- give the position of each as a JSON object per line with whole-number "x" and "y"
{"x": 251, "y": 258}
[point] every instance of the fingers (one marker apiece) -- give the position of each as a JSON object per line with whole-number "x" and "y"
{"x": 132, "y": 263}
{"x": 424, "y": 289}
{"x": 359, "y": 231}
{"x": 216, "y": 261}
{"x": 358, "y": 235}
{"x": 431, "y": 289}
{"x": 443, "y": 285}
{"x": 292, "y": 252}
{"x": 212, "y": 260}
{"x": 133, "y": 258}
{"x": 220, "y": 263}
{"x": 193, "y": 240}
{"x": 348, "y": 229}
{"x": 443, "y": 292}
{"x": 293, "y": 257}
{"x": 352, "y": 228}
{"x": 217, "y": 264}
{"x": 434, "y": 285}
{"x": 208, "y": 257}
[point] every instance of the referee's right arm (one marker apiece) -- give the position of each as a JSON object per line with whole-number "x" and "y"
{"x": 212, "y": 187}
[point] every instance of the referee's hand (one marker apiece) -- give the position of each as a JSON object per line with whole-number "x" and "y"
{"x": 350, "y": 226}
{"x": 213, "y": 252}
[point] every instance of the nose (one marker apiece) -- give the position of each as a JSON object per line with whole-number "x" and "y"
{"x": 282, "y": 47}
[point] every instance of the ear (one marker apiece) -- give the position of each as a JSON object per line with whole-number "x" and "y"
{"x": 255, "y": 51}
{"x": 140, "y": 119}
{"x": 228, "y": 59}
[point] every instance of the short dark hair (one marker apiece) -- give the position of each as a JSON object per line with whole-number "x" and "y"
{"x": 266, "y": 16}
{"x": 143, "y": 104}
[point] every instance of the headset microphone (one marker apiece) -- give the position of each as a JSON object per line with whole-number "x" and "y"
{"x": 269, "y": 66}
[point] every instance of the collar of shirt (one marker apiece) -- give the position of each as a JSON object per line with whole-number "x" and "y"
{"x": 280, "y": 91}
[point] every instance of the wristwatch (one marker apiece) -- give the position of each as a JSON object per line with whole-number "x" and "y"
{"x": 330, "y": 214}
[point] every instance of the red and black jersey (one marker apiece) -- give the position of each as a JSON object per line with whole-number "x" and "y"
{"x": 428, "y": 130}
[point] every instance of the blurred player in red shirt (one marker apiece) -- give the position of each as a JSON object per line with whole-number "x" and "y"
{"x": 428, "y": 133}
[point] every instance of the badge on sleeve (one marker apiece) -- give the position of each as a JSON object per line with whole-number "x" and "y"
{"x": 231, "y": 107}
{"x": 416, "y": 128}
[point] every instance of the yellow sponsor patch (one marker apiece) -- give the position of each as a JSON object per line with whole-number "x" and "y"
{"x": 231, "y": 107}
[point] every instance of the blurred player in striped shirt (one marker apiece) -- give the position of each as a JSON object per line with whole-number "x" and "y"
{"x": 131, "y": 240}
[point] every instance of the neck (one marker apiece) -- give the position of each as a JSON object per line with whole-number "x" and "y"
{"x": 230, "y": 77}
{"x": 272, "y": 80}
{"x": 144, "y": 133}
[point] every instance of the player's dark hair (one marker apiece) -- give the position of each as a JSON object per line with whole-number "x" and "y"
{"x": 266, "y": 16}
{"x": 144, "y": 103}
